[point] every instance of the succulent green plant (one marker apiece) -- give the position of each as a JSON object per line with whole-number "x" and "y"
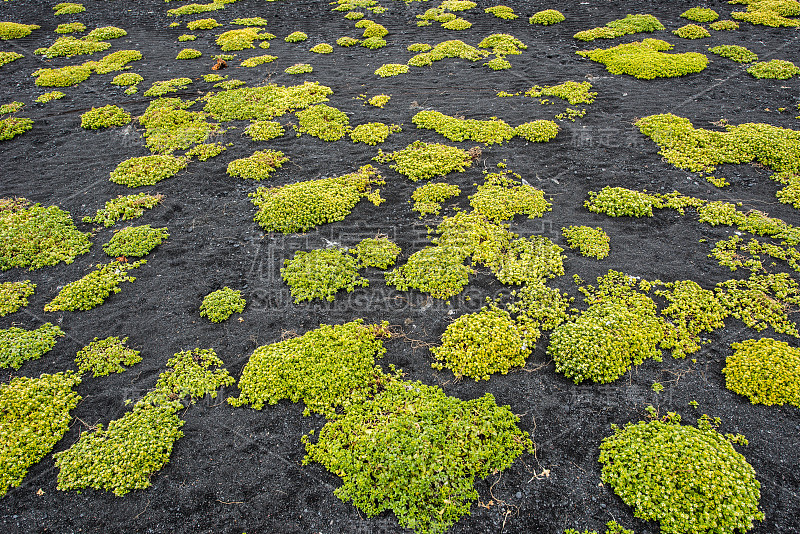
{"x": 572, "y": 92}
{"x": 206, "y": 151}
{"x": 105, "y": 356}
{"x": 591, "y": 242}
{"x": 18, "y": 345}
{"x": 321, "y": 273}
{"x": 437, "y": 270}
{"x": 135, "y": 241}
{"x": 543, "y": 307}
{"x": 481, "y": 131}
{"x": 62, "y": 77}
{"x": 691, "y": 310}
{"x": 617, "y": 28}
{"x": 147, "y": 170}
{"x": 503, "y": 195}
{"x": 766, "y": 371}
{"x": 538, "y": 131}
{"x": 265, "y": 102}
{"x": 547, "y": 17}
{"x": 124, "y": 208}
{"x": 646, "y": 60}
{"x": 187, "y": 37}
{"x": 250, "y": 21}
{"x": 724, "y": 25}
{"x": 347, "y": 41}
{"x": 105, "y": 33}
{"x": 299, "y": 68}
{"x": 258, "y": 166}
{"x": 127, "y": 79}
{"x": 502, "y": 12}
{"x": 322, "y": 48}
{"x": 421, "y": 160}
{"x": 14, "y": 295}
{"x": 70, "y": 46}
{"x": 203, "y": 24}
{"x": 105, "y": 117}
{"x": 70, "y": 27}
{"x": 241, "y": 38}
{"x": 68, "y": 8}
{"x": 296, "y": 37}
{"x": 219, "y": 305}
{"x": 164, "y": 87}
{"x": 258, "y": 60}
{"x": 391, "y": 69}
{"x": 94, "y": 288}
{"x": 8, "y": 57}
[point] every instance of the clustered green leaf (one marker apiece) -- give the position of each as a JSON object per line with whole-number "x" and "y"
{"x": 219, "y": 305}
{"x": 164, "y": 87}
{"x": 503, "y": 195}
{"x": 255, "y": 61}
{"x": 189, "y": 53}
{"x": 736, "y": 53}
{"x": 105, "y": 117}
{"x": 93, "y": 289}
{"x": 14, "y": 295}
{"x": 428, "y": 198}
{"x": 299, "y": 68}
{"x": 373, "y": 133}
{"x": 646, "y": 60}
{"x": 421, "y": 160}
{"x": 724, "y": 25}
{"x": 691, "y": 31}
{"x": 135, "y": 241}
{"x": 547, "y": 17}
{"x": 8, "y": 57}
{"x": 323, "y": 121}
{"x": 105, "y": 356}
{"x": 391, "y": 69}
{"x": 776, "y": 69}
{"x": 572, "y": 92}
{"x": 147, "y": 170}
{"x": 258, "y": 166}
{"x": 700, "y": 14}
{"x": 766, "y": 371}
{"x": 68, "y": 8}
{"x": 49, "y": 97}
{"x": 70, "y": 27}
{"x": 14, "y": 30}
{"x": 591, "y": 242}
{"x": 18, "y": 345}
{"x": 377, "y": 252}
{"x": 321, "y": 273}
{"x": 124, "y": 208}
{"x": 241, "y": 38}
{"x": 617, "y": 28}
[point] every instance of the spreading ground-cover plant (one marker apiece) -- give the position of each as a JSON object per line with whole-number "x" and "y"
{"x": 724, "y": 25}
{"x": 105, "y": 33}
{"x": 416, "y": 451}
{"x": 762, "y": 301}
{"x": 322, "y": 48}
{"x": 135, "y": 241}
{"x": 14, "y": 295}
{"x": 480, "y": 344}
{"x": 437, "y": 270}
{"x": 164, "y": 87}
{"x": 190, "y": 373}
{"x": 503, "y": 195}
{"x": 770, "y": 13}
{"x": 250, "y": 21}
{"x": 591, "y": 242}
{"x": 35, "y": 415}
{"x": 423, "y": 161}
{"x": 736, "y": 53}
{"x": 265, "y": 102}
{"x": 93, "y": 289}
{"x": 147, "y": 170}
{"x": 259, "y": 166}
{"x": 299, "y": 68}
{"x": 691, "y": 31}
{"x": 36, "y": 236}
{"x": 105, "y": 356}
{"x": 525, "y": 260}
{"x": 189, "y": 53}
{"x": 241, "y": 38}
{"x": 538, "y": 131}
{"x": 186, "y": 37}
{"x": 691, "y": 310}
{"x": 428, "y": 198}
{"x": 502, "y": 12}
{"x": 203, "y": 24}
{"x": 70, "y": 46}
{"x": 49, "y": 97}
{"x": 572, "y": 92}
{"x": 127, "y": 79}
{"x": 124, "y": 208}
{"x": 455, "y": 129}
{"x": 373, "y": 133}
{"x": 647, "y": 60}
{"x": 18, "y": 345}
{"x": 11, "y": 127}
{"x": 206, "y": 151}
{"x": 327, "y": 368}
{"x": 258, "y": 60}
{"x": 296, "y": 37}
{"x": 321, "y": 273}
{"x": 105, "y": 117}
{"x": 193, "y": 9}
{"x": 543, "y": 307}
{"x": 70, "y": 27}
{"x": 68, "y": 8}
{"x": 617, "y": 28}
{"x": 689, "y": 479}
{"x": 766, "y": 371}
{"x": 8, "y": 57}
{"x": 219, "y": 305}
{"x": 379, "y": 101}
{"x": 391, "y": 69}
{"x": 63, "y": 77}
{"x": 301, "y": 206}
{"x": 14, "y": 30}
{"x": 323, "y": 121}
{"x": 700, "y": 14}
{"x": 547, "y": 17}
{"x": 448, "y": 49}
{"x": 378, "y": 252}
{"x": 776, "y": 69}
{"x": 264, "y": 130}
{"x": 170, "y": 126}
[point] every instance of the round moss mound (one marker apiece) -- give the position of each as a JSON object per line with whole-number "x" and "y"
{"x": 766, "y": 371}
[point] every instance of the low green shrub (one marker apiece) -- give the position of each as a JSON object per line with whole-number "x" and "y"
{"x": 258, "y": 166}
{"x": 438, "y": 270}
{"x": 322, "y": 48}
{"x": 299, "y": 68}
{"x": 391, "y": 69}
{"x": 617, "y": 28}
{"x": 296, "y": 37}
{"x": 13, "y": 30}
{"x": 543, "y": 307}
{"x": 63, "y": 77}
{"x": 105, "y": 356}
{"x": 777, "y": 69}
{"x": 647, "y": 60}
{"x": 93, "y": 289}
{"x": 612, "y": 527}
{"x": 347, "y": 41}
{"x": 189, "y": 53}
{"x": 428, "y": 198}
{"x": 70, "y": 46}
{"x": 14, "y": 126}
{"x": 373, "y": 133}
{"x": 766, "y": 18}
{"x": 700, "y": 14}
{"x": 724, "y": 25}
{"x": 203, "y": 24}
{"x": 264, "y": 130}
{"x": 127, "y": 79}
{"x": 206, "y": 151}
{"x": 421, "y": 160}
{"x": 250, "y": 21}
{"x": 167, "y": 86}
{"x": 503, "y": 195}
{"x": 502, "y": 12}
{"x": 447, "y": 49}
{"x": 190, "y": 373}
{"x": 147, "y": 170}
{"x": 186, "y": 37}
{"x": 736, "y": 53}
{"x": 169, "y": 126}
{"x": 241, "y": 38}
{"x": 321, "y": 273}
{"x": 301, "y": 206}
{"x": 71, "y": 27}
{"x": 18, "y": 345}
{"x": 591, "y": 242}
{"x": 418, "y": 47}
{"x": 547, "y": 17}
{"x": 105, "y": 117}
{"x": 105, "y": 33}
{"x": 766, "y": 371}
{"x": 49, "y": 97}
{"x": 378, "y": 252}
{"x": 35, "y": 415}
{"x": 135, "y": 241}
{"x": 35, "y": 236}
{"x": 8, "y": 57}
{"x": 572, "y": 92}
{"x": 327, "y": 368}
{"x": 457, "y": 24}
{"x": 416, "y": 451}
{"x": 538, "y": 131}
{"x": 258, "y": 60}
{"x": 124, "y": 208}
{"x": 691, "y": 311}
{"x": 68, "y": 8}
{"x": 486, "y": 131}
{"x": 762, "y": 300}
{"x": 691, "y": 31}
{"x": 323, "y": 121}
{"x": 525, "y": 260}
{"x": 193, "y": 9}
{"x": 219, "y": 305}
{"x": 689, "y": 479}
{"x": 14, "y": 295}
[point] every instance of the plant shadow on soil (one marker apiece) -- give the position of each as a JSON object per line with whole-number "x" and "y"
{"x": 239, "y": 470}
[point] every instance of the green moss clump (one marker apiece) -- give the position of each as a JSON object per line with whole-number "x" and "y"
{"x": 373, "y": 43}
{"x": 457, "y": 5}
{"x": 219, "y": 305}
{"x": 105, "y": 33}
{"x": 776, "y": 69}
{"x": 457, "y": 24}
{"x": 373, "y": 133}
{"x": 170, "y": 127}
{"x": 18, "y": 345}
{"x": 617, "y": 28}
{"x": 765, "y": 17}
{"x": 691, "y": 310}
{"x": 14, "y": 295}
{"x": 241, "y": 38}
{"x": 724, "y": 25}
{"x": 206, "y": 151}
{"x": 538, "y": 131}
{"x": 299, "y": 68}
{"x": 428, "y": 198}
{"x": 502, "y": 12}
{"x": 71, "y": 27}
{"x": 354, "y": 15}
{"x": 480, "y": 344}
{"x": 193, "y": 9}
{"x": 378, "y": 252}
{"x": 347, "y": 41}
{"x": 70, "y": 46}
{"x": 543, "y": 307}
{"x": 35, "y": 237}
{"x": 322, "y": 48}
{"x": 326, "y": 368}
{"x": 49, "y": 97}
{"x": 647, "y": 60}
{"x": 321, "y": 273}
{"x": 448, "y": 49}
{"x": 259, "y": 166}
{"x": 114, "y": 61}
{"x": 418, "y": 47}
{"x": 147, "y": 170}
{"x": 230, "y": 84}
{"x": 127, "y": 79}
{"x": 472, "y": 235}
{"x": 135, "y": 241}
{"x": 323, "y": 121}
{"x": 8, "y": 57}
{"x": 547, "y": 17}
{"x": 203, "y": 24}
{"x": 391, "y": 69}
{"x": 689, "y": 479}
{"x": 296, "y": 37}
{"x": 700, "y": 14}
{"x": 68, "y": 8}
{"x": 765, "y": 370}
{"x": 264, "y": 130}
{"x": 762, "y": 300}
{"x": 164, "y": 87}
{"x": 736, "y": 53}
{"x": 421, "y": 160}
{"x": 186, "y": 37}
{"x": 35, "y": 417}
{"x": 416, "y": 451}
{"x": 93, "y": 289}
{"x": 503, "y": 195}
{"x": 487, "y": 132}
{"x": 572, "y": 92}
{"x": 105, "y": 117}
{"x": 612, "y": 527}
{"x": 258, "y": 60}
{"x": 63, "y": 77}
{"x": 13, "y": 30}
{"x": 190, "y": 373}
{"x": 124, "y": 208}
{"x": 437, "y": 270}
{"x": 189, "y": 53}
{"x": 301, "y": 206}
{"x": 105, "y": 356}
{"x": 379, "y": 100}
{"x": 526, "y": 260}
{"x": 503, "y": 44}
{"x": 591, "y": 242}
{"x": 14, "y": 126}
{"x": 691, "y": 31}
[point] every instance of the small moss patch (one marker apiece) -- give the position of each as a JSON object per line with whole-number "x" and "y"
{"x": 124, "y": 208}
{"x": 372, "y": 133}
{"x": 147, "y": 170}
{"x": 105, "y": 356}
{"x": 503, "y": 195}
{"x": 14, "y": 295}
{"x": 14, "y": 30}
{"x": 547, "y": 17}
{"x": 105, "y": 117}
{"x": 700, "y": 14}
{"x": 264, "y": 130}
{"x": 135, "y": 241}
{"x": 691, "y": 31}
{"x": 18, "y": 345}
{"x": 647, "y": 60}
{"x": 219, "y": 305}
{"x": 189, "y": 53}
{"x": 321, "y": 273}
{"x": 776, "y": 69}
{"x": 736, "y": 53}
{"x": 617, "y": 28}
{"x": 428, "y": 198}
{"x": 323, "y": 121}
{"x": 423, "y": 161}
{"x": 94, "y": 288}
{"x": 591, "y": 242}
{"x": 766, "y": 371}
{"x": 259, "y": 166}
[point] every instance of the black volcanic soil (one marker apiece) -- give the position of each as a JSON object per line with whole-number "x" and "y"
{"x": 239, "y": 470}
